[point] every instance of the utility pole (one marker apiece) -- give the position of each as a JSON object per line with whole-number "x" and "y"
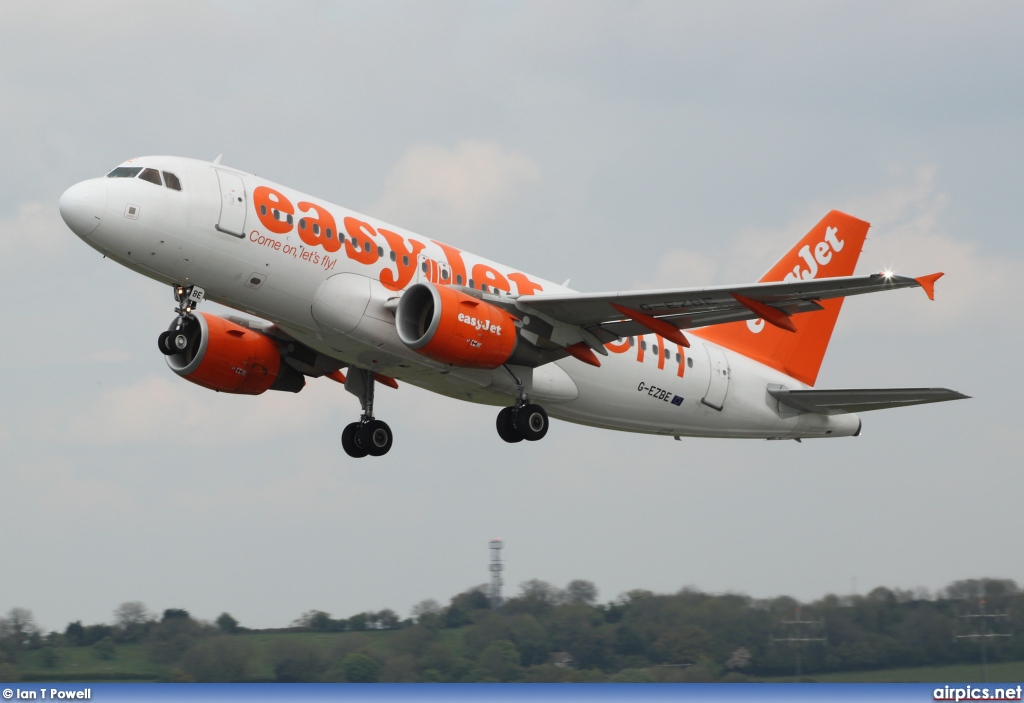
{"x": 496, "y": 568}
{"x": 800, "y": 632}
{"x": 980, "y": 631}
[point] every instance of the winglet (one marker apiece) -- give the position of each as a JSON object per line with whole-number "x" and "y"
{"x": 584, "y": 353}
{"x": 769, "y": 314}
{"x": 928, "y": 283}
{"x": 655, "y": 325}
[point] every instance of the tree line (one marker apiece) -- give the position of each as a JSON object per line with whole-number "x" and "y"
{"x": 546, "y": 633}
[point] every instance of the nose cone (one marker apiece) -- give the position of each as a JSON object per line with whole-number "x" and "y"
{"x": 82, "y": 206}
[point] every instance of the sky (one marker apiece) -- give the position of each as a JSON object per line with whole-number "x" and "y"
{"x": 622, "y": 145}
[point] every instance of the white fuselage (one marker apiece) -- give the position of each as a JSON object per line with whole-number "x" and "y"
{"x": 210, "y": 234}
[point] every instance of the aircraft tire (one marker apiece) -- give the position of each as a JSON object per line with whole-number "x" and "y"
{"x": 376, "y": 437}
{"x": 350, "y": 441}
{"x": 506, "y": 426}
{"x": 532, "y": 422}
{"x": 164, "y": 343}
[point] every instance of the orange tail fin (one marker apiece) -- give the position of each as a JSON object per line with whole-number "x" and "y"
{"x": 830, "y": 249}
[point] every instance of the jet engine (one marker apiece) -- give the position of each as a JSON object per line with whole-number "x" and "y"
{"x": 218, "y": 354}
{"x": 455, "y": 328}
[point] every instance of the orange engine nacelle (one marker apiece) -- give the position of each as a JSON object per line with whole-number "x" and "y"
{"x": 455, "y": 328}
{"x": 229, "y": 358}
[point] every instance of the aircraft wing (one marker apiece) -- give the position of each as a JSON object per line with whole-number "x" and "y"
{"x": 854, "y": 400}
{"x": 614, "y": 315}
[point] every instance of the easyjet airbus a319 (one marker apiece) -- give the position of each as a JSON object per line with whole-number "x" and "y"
{"x": 358, "y": 301}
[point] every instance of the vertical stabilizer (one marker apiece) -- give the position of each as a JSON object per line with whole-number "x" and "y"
{"x": 829, "y": 250}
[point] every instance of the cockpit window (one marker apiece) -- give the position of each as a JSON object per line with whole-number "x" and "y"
{"x": 151, "y": 175}
{"x": 125, "y": 172}
{"x": 171, "y": 181}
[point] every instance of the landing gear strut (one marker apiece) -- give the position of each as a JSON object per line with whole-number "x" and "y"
{"x": 368, "y": 436}
{"x": 524, "y": 420}
{"x": 175, "y": 340}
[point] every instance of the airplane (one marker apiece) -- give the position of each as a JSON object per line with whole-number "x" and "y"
{"x": 344, "y": 296}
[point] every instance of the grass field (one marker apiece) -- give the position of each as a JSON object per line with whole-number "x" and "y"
{"x": 1005, "y": 672}
{"x": 131, "y": 662}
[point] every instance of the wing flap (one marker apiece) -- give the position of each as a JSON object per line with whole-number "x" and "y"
{"x": 854, "y": 400}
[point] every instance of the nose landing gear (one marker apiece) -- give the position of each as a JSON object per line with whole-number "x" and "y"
{"x": 175, "y": 340}
{"x": 368, "y": 436}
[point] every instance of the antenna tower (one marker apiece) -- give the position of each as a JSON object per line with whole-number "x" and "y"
{"x": 496, "y": 568}
{"x": 980, "y": 631}
{"x": 800, "y": 632}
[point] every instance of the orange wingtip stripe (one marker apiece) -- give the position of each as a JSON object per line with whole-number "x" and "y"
{"x": 385, "y": 380}
{"x": 584, "y": 353}
{"x": 655, "y": 325}
{"x": 772, "y": 316}
{"x": 928, "y": 283}
{"x": 337, "y": 376}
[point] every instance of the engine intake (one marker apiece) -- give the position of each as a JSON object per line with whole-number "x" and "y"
{"x": 229, "y": 358}
{"x": 452, "y": 327}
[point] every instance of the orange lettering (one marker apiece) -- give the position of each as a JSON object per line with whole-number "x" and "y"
{"x": 318, "y": 231}
{"x": 523, "y": 284}
{"x": 640, "y": 343}
{"x": 366, "y": 252}
{"x": 267, "y": 201}
{"x": 661, "y": 351}
{"x": 455, "y": 262}
{"x": 617, "y": 347}
{"x": 405, "y": 260}
{"x": 486, "y": 275}
{"x": 682, "y": 361}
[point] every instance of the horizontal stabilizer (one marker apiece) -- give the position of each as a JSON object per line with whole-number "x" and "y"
{"x": 855, "y": 400}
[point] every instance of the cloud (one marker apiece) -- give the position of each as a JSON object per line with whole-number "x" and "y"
{"x": 681, "y": 268}
{"x": 110, "y": 356}
{"x": 458, "y": 189}
{"x": 36, "y": 227}
{"x": 158, "y": 410}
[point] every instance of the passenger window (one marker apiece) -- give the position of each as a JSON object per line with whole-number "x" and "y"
{"x": 277, "y": 215}
{"x": 172, "y": 182}
{"x": 380, "y": 252}
{"x": 289, "y": 218}
{"x": 302, "y": 223}
{"x": 366, "y": 246}
{"x": 151, "y": 175}
{"x": 125, "y": 172}
{"x": 668, "y": 354}
{"x": 394, "y": 256}
{"x": 689, "y": 362}
{"x": 444, "y": 275}
{"x": 654, "y": 349}
{"x": 632, "y": 342}
{"x": 643, "y": 345}
{"x": 458, "y": 279}
{"x": 405, "y": 261}
{"x": 678, "y": 358}
{"x": 423, "y": 267}
{"x": 472, "y": 283}
{"x": 330, "y": 234}
{"x": 316, "y": 228}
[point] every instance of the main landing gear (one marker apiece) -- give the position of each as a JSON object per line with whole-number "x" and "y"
{"x": 176, "y": 339}
{"x": 524, "y": 420}
{"x": 368, "y": 436}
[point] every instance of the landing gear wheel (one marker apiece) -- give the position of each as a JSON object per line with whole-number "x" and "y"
{"x": 177, "y": 341}
{"x": 350, "y": 441}
{"x": 163, "y": 341}
{"x": 507, "y": 427}
{"x": 375, "y": 436}
{"x": 531, "y": 422}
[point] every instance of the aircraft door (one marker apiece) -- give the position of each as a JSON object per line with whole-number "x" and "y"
{"x": 430, "y": 271}
{"x": 232, "y": 203}
{"x": 718, "y": 385}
